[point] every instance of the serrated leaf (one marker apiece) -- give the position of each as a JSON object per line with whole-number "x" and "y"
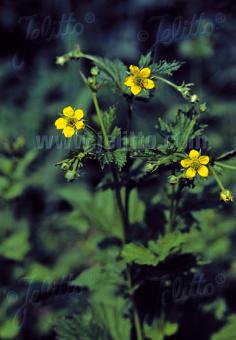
{"x": 167, "y": 244}
{"x": 160, "y": 329}
{"x": 138, "y": 254}
{"x": 109, "y": 117}
{"x": 165, "y": 67}
{"x": 145, "y": 60}
{"x": 116, "y": 75}
{"x": 181, "y": 130}
{"x": 120, "y": 157}
{"x": 115, "y": 133}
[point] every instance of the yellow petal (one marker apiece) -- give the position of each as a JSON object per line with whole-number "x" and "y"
{"x": 68, "y": 131}
{"x": 79, "y": 114}
{"x": 190, "y": 173}
{"x": 68, "y": 111}
{"x": 134, "y": 70}
{"x": 194, "y": 154}
{"x": 148, "y": 84}
{"x": 186, "y": 163}
{"x": 136, "y": 89}
{"x": 60, "y": 123}
{"x": 203, "y": 171}
{"x": 79, "y": 125}
{"x": 145, "y": 72}
{"x": 129, "y": 81}
{"x": 204, "y": 160}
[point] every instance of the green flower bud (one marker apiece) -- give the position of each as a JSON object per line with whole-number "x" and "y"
{"x": 60, "y": 61}
{"x": 194, "y": 98}
{"x": 203, "y": 107}
{"x": 173, "y": 179}
{"x": 65, "y": 166}
{"x": 70, "y": 175}
{"x": 94, "y": 71}
{"x": 149, "y": 167}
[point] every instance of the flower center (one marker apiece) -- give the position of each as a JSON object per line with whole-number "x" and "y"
{"x": 138, "y": 81}
{"x": 71, "y": 122}
{"x": 195, "y": 164}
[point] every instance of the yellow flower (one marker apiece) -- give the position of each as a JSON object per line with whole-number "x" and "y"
{"x": 139, "y": 79}
{"x": 195, "y": 164}
{"x": 71, "y": 122}
{"x": 226, "y": 195}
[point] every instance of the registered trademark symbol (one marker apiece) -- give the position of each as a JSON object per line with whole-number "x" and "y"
{"x": 143, "y": 36}
{"x": 220, "y": 18}
{"x": 220, "y": 278}
{"x": 89, "y": 18}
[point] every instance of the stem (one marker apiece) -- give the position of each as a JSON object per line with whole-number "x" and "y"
{"x": 99, "y": 114}
{"x": 168, "y": 82}
{"x": 231, "y": 167}
{"x": 124, "y": 216}
{"x": 189, "y": 132}
{"x": 137, "y": 324}
{"x": 113, "y": 169}
{"x": 217, "y": 178}
{"x": 130, "y": 114}
{"x": 173, "y": 207}
{"x": 119, "y": 202}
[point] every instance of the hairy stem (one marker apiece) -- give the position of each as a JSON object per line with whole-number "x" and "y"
{"x": 99, "y": 115}
{"x": 217, "y": 178}
{"x": 226, "y": 166}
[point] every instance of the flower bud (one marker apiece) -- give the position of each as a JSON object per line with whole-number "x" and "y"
{"x": 226, "y": 196}
{"x": 203, "y": 107}
{"x": 149, "y": 167}
{"x": 70, "y": 175}
{"x": 65, "y": 166}
{"x": 194, "y": 98}
{"x": 173, "y": 179}
{"x": 94, "y": 71}
{"x": 60, "y": 61}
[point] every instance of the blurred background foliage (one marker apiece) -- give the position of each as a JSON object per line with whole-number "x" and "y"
{"x": 50, "y": 230}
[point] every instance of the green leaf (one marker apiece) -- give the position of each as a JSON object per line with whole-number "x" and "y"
{"x": 165, "y": 67}
{"x": 228, "y": 331}
{"x": 104, "y": 280}
{"x": 157, "y": 251}
{"x": 109, "y": 117}
{"x": 4, "y": 183}
{"x": 138, "y": 254}
{"x": 16, "y": 246}
{"x": 89, "y": 278}
{"x": 24, "y": 163}
{"x": 115, "y": 133}
{"x": 6, "y": 165}
{"x": 181, "y": 130}
{"x": 145, "y": 60}
{"x": 160, "y": 329}
{"x": 120, "y": 157}
{"x": 15, "y": 190}
{"x": 112, "y": 73}
{"x": 9, "y": 329}
{"x": 167, "y": 244}
{"x": 136, "y": 207}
